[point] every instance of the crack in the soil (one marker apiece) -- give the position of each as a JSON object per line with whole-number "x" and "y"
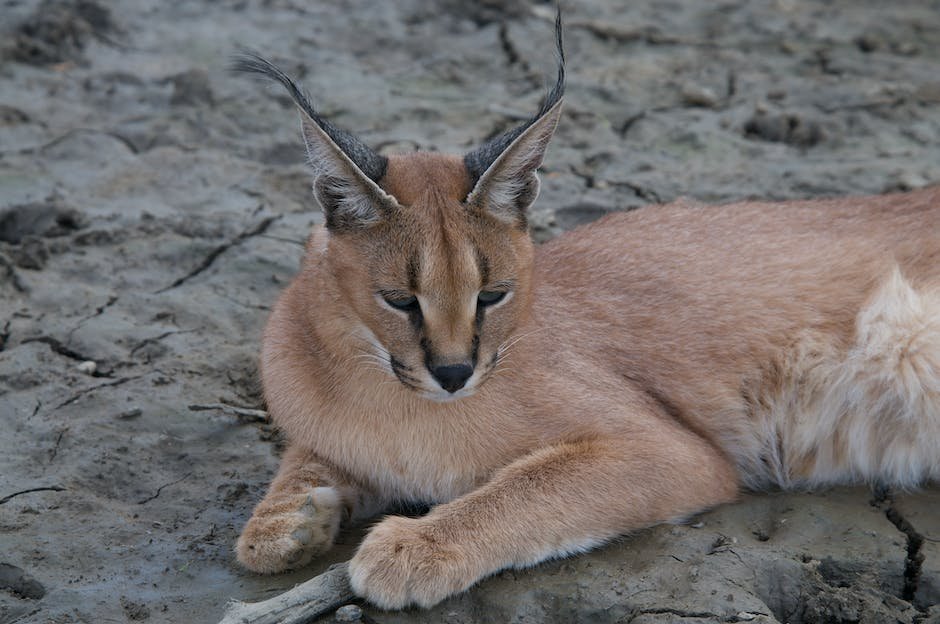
{"x": 112, "y": 299}
{"x": 292, "y": 241}
{"x": 628, "y": 123}
{"x": 70, "y": 133}
{"x": 256, "y": 230}
{"x": 249, "y": 306}
{"x": 650, "y": 35}
{"x": 588, "y": 179}
{"x": 55, "y": 447}
{"x": 914, "y": 560}
{"x": 4, "y": 335}
{"x": 9, "y": 269}
{"x": 624, "y": 128}
{"x": 681, "y": 613}
{"x": 509, "y": 49}
{"x": 892, "y": 102}
{"x": 824, "y": 60}
{"x": 155, "y": 339}
{"x": 50, "y": 488}
{"x": 57, "y": 347}
{"x": 643, "y": 193}
{"x": 81, "y": 393}
{"x": 160, "y": 489}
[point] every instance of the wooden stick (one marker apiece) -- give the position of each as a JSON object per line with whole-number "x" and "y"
{"x": 232, "y": 410}
{"x": 300, "y": 605}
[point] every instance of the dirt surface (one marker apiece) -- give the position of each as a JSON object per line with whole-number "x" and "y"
{"x": 152, "y": 207}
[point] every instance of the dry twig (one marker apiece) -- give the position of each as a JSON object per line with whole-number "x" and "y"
{"x": 241, "y": 412}
{"x": 304, "y": 603}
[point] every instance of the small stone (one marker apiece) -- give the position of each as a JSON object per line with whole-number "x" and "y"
{"x": 928, "y": 93}
{"x": 909, "y": 181}
{"x": 695, "y": 95}
{"x": 907, "y": 48}
{"x": 744, "y": 616}
{"x": 134, "y": 610}
{"x": 128, "y": 414}
{"x": 787, "y": 128}
{"x": 88, "y": 367}
{"x": 31, "y": 254}
{"x": 348, "y": 613}
{"x": 788, "y": 47}
{"x": 192, "y": 88}
{"x": 869, "y": 42}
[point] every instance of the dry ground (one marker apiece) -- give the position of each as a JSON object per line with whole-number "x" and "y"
{"x": 152, "y": 207}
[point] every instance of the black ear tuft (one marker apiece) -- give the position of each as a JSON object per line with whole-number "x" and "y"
{"x": 372, "y": 164}
{"x": 480, "y": 159}
{"x": 346, "y": 171}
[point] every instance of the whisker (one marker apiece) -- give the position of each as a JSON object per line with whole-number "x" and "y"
{"x": 512, "y": 340}
{"x": 369, "y": 356}
{"x": 373, "y": 346}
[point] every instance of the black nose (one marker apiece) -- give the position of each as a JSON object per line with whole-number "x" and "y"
{"x": 452, "y": 378}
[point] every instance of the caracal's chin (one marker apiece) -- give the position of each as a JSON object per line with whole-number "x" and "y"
{"x": 443, "y": 396}
{"x": 432, "y": 392}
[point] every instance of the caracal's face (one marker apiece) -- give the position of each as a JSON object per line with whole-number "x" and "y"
{"x": 438, "y": 287}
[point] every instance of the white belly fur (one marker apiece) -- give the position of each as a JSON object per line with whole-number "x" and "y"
{"x": 870, "y": 413}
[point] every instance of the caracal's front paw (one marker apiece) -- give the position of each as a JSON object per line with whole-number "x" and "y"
{"x": 401, "y": 562}
{"x": 288, "y": 532}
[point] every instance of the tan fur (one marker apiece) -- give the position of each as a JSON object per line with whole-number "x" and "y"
{"x": 644, "y": 368}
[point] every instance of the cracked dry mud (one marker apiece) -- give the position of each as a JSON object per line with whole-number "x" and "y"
{"x": 152, "y": 207}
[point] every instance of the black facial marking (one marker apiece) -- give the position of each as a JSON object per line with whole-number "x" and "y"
{"x": 483, "y": 265}
{"x": 410, "y": 382}
{"x": 401, "y": 372}
{"x": 413, "y": 273}
{"x": 398, "y": 365}
{"x": 416, "y": 318}
{"x": 476, "y": 349}
{"x": 478, "y": 319}
{"x": 478, "y": 325}
{"x": 426, "y": 348}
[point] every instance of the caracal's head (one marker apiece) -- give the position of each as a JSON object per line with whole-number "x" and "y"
{"x": 429, "y": 254}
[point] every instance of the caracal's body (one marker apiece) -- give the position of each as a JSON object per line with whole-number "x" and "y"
{"x": 634, "y": 371}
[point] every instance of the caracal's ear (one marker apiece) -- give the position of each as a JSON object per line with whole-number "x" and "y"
{"x": 346, "y": 171}
{"x": 504, "y": 168}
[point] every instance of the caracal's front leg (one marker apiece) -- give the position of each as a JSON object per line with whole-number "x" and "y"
{"x": 557, "y": 501}
{"x": 299, "y": 516}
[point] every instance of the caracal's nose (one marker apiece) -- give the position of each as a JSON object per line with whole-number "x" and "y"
{"x": 452, "y": 378}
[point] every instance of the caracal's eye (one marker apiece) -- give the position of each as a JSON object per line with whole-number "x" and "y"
{"x": 490, "y": 297}
{"x": 408, "y": 304}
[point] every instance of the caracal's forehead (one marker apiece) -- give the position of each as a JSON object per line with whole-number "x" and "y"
{"x": 434, "y": 244}
{"x": 411, "y": 178}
